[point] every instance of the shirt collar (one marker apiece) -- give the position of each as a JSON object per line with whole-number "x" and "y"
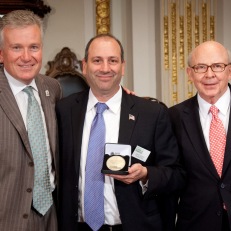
{"x": 17, "y": 86}
{"x": 222, "y": 104}
{"x": 113, "y": 103}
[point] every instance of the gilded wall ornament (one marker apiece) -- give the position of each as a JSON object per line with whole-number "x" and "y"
{"x": 102, "y": 16}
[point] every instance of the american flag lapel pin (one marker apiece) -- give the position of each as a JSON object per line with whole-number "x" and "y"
{"x": 47, "y": 93}
{"x": 131, "y": 117}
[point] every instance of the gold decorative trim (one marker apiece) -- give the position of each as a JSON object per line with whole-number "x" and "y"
{"x": 181, "y": 50}
{"x": 174, "y": 53}
{"x": 186, "y": 24}
{"x": 166, "y": 44}
{"x": 189, "y": 26}
{"x": 197, "y": 31}
{"x": 102, "y": 16}
{"x": 212, "y": 28}
{"x": 204, "y": 22}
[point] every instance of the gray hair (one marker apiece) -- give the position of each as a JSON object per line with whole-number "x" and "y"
{"x": 19, "y": 19}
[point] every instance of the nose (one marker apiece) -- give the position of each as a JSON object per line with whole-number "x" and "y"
{"x": 210, "y": 72}
{"x": 26, "y": 56}
{"x": 105, "y": 67}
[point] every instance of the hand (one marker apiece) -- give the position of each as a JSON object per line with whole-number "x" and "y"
{"x": 128, "y": 91}
{"x": 135, "y": 172}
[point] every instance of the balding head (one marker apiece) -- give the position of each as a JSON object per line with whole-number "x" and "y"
{"x": 210, "y": 70}
{"x": 209, "y": 50}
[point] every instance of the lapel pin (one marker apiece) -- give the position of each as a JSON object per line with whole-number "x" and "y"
{"x": 131, "y": 117}
{"x": 47, "y": 93}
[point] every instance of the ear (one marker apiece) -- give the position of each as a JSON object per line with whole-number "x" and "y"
{"x": 229, "y": 70}
{"x": 190, "y": 73}
{"x": 123, "y": 68}
{"x": 84, "y": 66}
{"x": 1, "y": 56}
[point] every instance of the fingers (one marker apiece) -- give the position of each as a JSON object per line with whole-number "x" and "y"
{"x": 135, "y": 172}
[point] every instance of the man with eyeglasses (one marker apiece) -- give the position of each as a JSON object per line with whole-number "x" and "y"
{"x": 205, "y": 202}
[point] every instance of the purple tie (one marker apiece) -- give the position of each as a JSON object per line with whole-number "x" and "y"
{"x": 94, "y": 179}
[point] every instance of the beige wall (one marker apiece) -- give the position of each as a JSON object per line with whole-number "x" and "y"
{"x": 72, "y": 23}
{"x": 64, "y": 27}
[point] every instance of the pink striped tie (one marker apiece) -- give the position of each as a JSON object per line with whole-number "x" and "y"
{"x": 217, "y": 139}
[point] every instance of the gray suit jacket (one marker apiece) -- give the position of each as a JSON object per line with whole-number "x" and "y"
{"x": 16, "y": 161}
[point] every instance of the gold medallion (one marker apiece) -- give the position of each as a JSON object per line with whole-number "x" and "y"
{"x": 115, "y": 163}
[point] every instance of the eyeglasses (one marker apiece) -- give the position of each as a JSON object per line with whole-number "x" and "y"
{"x": 216, "y": 67}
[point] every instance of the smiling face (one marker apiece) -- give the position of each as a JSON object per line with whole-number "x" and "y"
{"x": 21, "y": 52}
{"x": 210, "y": 85}
{"x": 104, "y": 67}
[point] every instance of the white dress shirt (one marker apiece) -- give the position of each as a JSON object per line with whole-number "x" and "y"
{"x": 22, "y": 101}
{"x": 112, "y": 216}
{"x": 223, "y": 104}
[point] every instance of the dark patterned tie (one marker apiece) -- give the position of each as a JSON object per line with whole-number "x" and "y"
{"x": 42, "y": 195}
{"x": 94, "y": 179}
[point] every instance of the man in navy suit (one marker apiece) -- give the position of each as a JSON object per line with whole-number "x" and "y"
{"x": 133, "y": 201}
{"x": 205, "y": 203}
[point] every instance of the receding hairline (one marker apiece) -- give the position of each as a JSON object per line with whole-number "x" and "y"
{"x": 207, "y": 44}
{"x": 104, "y": 36}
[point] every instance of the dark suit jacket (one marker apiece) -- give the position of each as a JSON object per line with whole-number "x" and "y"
{"x": 151, "y": 130}
{"x": 201, "y": 202}
{"x": 16, "y": 161}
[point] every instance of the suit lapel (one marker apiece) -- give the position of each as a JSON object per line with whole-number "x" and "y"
{"x": 128, "y": 119}
{"x": 227, "y": 157}
{"x": 11, "y": 110}
{"x": 78, "y": 111}
{"x": 48, "y": 106}
{"x": 192, "y": 124}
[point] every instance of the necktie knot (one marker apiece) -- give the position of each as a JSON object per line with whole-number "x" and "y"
{"x": 29, "y": 91}
{"x": 214, "y": 110}
{"x": 101, "y": 107}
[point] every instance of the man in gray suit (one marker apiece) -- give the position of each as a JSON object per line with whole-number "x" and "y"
{"x": 21, "y": 35}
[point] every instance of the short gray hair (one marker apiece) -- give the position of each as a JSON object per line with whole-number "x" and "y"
{"x": 20, "y": 18}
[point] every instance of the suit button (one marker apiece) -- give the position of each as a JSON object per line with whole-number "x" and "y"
{"x": 222, "y": 185}
{"x": 29, "y": 190}
{"x": 31, "y": 164}
{"x": 25, "y": 216}
{"x": 219, "y": 213}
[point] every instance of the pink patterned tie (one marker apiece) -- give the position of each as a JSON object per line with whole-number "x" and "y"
{"x": 217, "y": 139}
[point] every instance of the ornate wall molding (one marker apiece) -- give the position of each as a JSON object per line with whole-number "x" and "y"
{"x": 37, "y": 6}
{"x": 102, "y": 16}
{"x": 185, "y": 24}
